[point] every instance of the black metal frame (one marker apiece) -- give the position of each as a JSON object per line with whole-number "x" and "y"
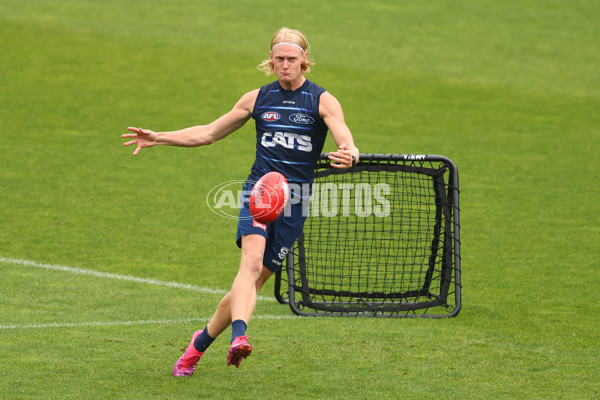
{"x": 446, "y": 193}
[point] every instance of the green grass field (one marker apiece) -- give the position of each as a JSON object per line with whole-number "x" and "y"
{"x": 510, "y": 91}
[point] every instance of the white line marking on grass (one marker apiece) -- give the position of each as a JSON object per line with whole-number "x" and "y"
{"x": 116, "y": 323}
{"x": 80, "y": 271}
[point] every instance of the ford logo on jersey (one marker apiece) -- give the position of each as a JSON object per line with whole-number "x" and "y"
{"x": 270, "y": 116}
{"x": 302, "y": 119}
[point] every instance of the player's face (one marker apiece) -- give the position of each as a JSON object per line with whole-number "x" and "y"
{"x": 287, "y": 63}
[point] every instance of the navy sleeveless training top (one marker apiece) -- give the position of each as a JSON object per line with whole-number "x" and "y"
{"x": 290, "y": 133}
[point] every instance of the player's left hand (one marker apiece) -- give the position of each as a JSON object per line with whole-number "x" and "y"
{"x": 341, "y": 158}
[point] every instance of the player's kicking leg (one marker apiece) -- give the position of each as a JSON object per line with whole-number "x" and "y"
{"x": 240, "y": 348}
{"x": 251, "y": 276}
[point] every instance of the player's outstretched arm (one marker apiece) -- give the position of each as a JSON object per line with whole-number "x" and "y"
{"x": 333, "y": 115}
{"x": 200, "y": 135}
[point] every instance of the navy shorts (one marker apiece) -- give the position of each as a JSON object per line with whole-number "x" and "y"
{"x": 280, "y": 234}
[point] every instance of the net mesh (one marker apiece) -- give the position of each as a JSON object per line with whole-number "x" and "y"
{"x": 379, "y": 241}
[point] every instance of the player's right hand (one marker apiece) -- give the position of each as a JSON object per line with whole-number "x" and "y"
{"x": 142, "y": 137}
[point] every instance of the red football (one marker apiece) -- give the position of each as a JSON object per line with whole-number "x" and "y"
{"x": 269, "y": 197}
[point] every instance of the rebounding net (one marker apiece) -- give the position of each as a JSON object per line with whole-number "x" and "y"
{"x": 381, "y": 239}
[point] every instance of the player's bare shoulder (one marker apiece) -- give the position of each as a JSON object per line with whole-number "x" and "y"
{"x": 246, "y": 102}
{"x": 329, "y": 106}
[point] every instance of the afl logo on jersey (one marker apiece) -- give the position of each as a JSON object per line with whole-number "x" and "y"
{"x": 302, "y": 119}
{"x": 270, "y": 116}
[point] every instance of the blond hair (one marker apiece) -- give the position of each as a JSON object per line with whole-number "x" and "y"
{"x": 292, "y": 36}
